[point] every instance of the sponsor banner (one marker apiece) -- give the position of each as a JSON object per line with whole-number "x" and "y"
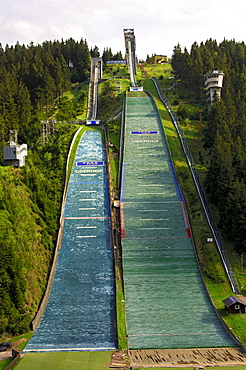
{"x": 95, "y": 122}
{"x": 91, "y": 163}
{"x": 136, "y": 88}
{"x": 116, "y": 62}
{"x": 144, "y": 132}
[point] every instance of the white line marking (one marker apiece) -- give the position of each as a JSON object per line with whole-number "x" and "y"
{"x": 151, "y": 193}
{"x": 171, "y": 201}
{"x": 88, "y": 174}
{"x": 84, "y": 200}
{"x": 88, "y": 191}
{"x": 86, "y": 209}
{"x": 87, "y": 167}
{"x": 146, "y": 153}
{"x": 69, "y": 349}
{"x": 152, "y": 185}
{"x": 86, "y": 227}
{"x": 153, "y": 219}
{"x": 86, "y": 236}
{"x": 144, "y": 147}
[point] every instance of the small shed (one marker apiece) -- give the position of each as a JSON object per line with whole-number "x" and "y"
{"x": 234, "y": 305}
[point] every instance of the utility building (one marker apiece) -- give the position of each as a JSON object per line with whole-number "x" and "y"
{"x": 213, "y": 84}
{"x": 234, "y": 305}
{"x": 157, "y": 59}
{"x": 14, "y": 154}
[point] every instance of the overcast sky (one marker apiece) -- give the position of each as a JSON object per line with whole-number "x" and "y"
{"x": 158, "y": 25}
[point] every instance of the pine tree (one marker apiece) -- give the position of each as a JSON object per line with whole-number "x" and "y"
{"x": 95, "y": 53}
{"x": 221, "y": 173}
{"x": 23, "y": 104}
{"x": 234, "y": 217}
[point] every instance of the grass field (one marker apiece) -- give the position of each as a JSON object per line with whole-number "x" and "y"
{"x": 240, "y": 367}
{"x": 65, "y": 360}
{"x": 86, "y": 361}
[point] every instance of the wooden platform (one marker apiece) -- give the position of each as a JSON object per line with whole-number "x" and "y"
{"x": 197, "y": 357}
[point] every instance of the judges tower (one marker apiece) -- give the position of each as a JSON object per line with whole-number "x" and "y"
{"x": 213, "y": 84}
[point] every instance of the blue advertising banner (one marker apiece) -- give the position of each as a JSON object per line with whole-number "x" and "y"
{"x": 144, "y": 132}
{"x": 91, "y": 163}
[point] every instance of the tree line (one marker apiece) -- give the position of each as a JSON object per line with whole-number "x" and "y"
{"x": 33, "y": 78}
{"x": 224, "y": 131}
{"x": 106, "y": 55}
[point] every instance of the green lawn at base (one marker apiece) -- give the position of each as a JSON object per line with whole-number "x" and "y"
{"x": 5, "y": 363}
{"x": 24, "y": 340}
{"x": 65, "y": 360}
{"x": 237, "y": 367}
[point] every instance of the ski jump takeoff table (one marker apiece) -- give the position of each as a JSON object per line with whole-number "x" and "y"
{"x": 80, "y": 314}
{"x": 167, "y": 305}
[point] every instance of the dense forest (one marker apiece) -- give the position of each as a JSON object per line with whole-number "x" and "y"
{"x": 224, "y": 131}
{"x": 33, "y": 79}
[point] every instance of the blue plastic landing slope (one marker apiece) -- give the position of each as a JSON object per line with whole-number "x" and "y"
{"x": 80, "y": 314}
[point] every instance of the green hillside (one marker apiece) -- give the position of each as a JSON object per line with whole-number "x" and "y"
{"x": 30, "y": 200}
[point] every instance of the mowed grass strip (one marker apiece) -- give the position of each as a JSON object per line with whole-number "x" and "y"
{"x": 88, "y": 360}
{"x": 85, "y": 361}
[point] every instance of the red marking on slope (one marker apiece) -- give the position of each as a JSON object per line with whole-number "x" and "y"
{"x": 188, "y": 232}
{"x": 122, "y": 233}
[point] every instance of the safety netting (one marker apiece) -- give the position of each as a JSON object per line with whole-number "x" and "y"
{"x": 80, "y": 313}
{"x": 167, "y": 305}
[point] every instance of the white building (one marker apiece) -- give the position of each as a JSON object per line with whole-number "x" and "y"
{"x": 213, "y": 84}
{"x": 14, "y": 154}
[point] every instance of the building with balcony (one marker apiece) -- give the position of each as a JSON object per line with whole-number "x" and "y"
{"x": 14, "y": 154}
{"x": 213, "y": 84}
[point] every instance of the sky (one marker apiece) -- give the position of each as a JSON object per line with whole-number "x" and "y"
{"x": 159, "y": 25}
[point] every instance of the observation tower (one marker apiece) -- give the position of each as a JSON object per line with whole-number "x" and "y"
{"x": 213, "y": 84}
